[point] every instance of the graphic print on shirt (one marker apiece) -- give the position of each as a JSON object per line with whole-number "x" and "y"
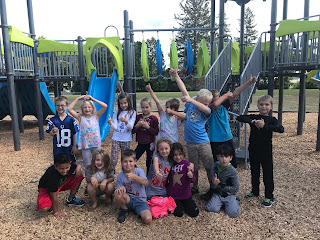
{"x": 155, "y": 182}
{"x": 177, "y": 176}
{"x": 193, "y": 114}
{"x": 129, "y": 188}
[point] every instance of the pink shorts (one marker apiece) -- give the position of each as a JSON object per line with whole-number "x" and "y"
{"x": 44, "y": 199}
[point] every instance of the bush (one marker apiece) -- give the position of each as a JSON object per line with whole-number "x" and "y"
{"x": 263, "y": 83}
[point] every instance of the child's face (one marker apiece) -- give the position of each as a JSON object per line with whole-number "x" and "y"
{"x": 204, "y": 101}
{"x": 177, "y": 156}
{"x": 128, "y": 164}
{"x": 224, "y": 160}
{"x": 164, "y": 149}
{"x": 145, "y": 108}
{"x": 61, "y": 107}
{"x": 87, "y": 109}
{"x": 264, "y": 107}
{"x": 63, "y": 168}
{"x": 99, "y": 162}
{"x": 123, "y": 104}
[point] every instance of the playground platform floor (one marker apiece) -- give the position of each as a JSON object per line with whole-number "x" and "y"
{"x": 295, "y": 214}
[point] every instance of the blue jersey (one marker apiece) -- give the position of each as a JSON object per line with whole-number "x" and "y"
{"x": 63, "y": 140}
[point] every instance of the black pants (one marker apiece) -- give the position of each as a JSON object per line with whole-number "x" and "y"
{"x": 262, "y": 156}
{"x": 140, "y": 149}
{"x": 215, "y": 145}
{"x": 188, "y": 205}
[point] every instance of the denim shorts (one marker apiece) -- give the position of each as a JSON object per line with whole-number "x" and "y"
{"x": 137, "y": 204}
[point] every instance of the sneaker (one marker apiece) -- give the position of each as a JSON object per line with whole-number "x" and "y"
{"x": 250, "y": 195}
{"x": 268, "y": 202}
{"x": 194, "y": 190}
{"x": 123, "y": 213}
{"x": 207, "y": 196}
{"x": 75, "y": 202}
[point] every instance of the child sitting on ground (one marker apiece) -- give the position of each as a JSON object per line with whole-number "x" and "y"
{"x": 101, "y": 177}
{"x": 260, "y": 148}
{"x": 169, "y": 123}
{"x": 225, "y": 183}
{"x": 130, "y": 192}
{"x": 63, "y": 175}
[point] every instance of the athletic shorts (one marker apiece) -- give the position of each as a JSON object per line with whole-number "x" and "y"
{"x": 200, "y": 151}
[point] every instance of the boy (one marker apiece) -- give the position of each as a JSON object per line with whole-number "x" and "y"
{"x": 260, "y": 148}
{"x": 219, "y": 126}
{"x": 131, "y": 192}
{"x": 225, "y": 183}
{"x": 169, "y": 123}
{"x": 195, "y": 135}
{"x": 64, "y": 129}
{"x": 63, "y": 175}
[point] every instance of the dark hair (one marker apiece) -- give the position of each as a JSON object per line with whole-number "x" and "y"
{"x": 175, "y": 146}
{"x": 128, "y": 153}
{"x": 174, "y": 103}
{"x": 61, "y": 158}
{"x": 224, "y": 150}
{"x": 60, "y": 99}
{"x": 108, "y": 168}
{"x": 130, "y": 108}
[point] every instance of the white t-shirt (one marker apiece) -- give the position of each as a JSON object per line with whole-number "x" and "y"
{"x": 123, "y": 132}
{"x": 169, "y": 127}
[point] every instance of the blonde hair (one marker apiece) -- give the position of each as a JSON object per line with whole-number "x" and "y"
{"x": 146, "y": 99}
{"x": 163, "y": 140}
{"x": 204, "y": 94}
{"x": 108, "y": 168}
{"x": 265, "y": 98}
{"x": 88, "y": 102}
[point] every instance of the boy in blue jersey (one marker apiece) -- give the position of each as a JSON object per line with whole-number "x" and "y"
{"x": 64, "y": 129}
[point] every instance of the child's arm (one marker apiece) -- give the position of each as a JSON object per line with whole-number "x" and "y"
{"x": 241, "y": 88}
{"x": 78, "y": 171}
{"x": 274, "y": 125}
{"x": 245, "y": 119}
{"x": 153, "y": 128}
{"x": 137, "y": 124}
{"x": 129, "y": 122}
{"x": 232, "y": 186}
{"x": 216, "y": 104}
{"x": 71, "y": 106}
{"x": 156, "y": 167}
{"x": 182, "y": 87}
{"x": 199, "y": 105}
{"x": 104, "y": 183}
{"x": 180, "y": 115}
{"x": 103, "y": 105}
{"x": 74, "y": 146}
{"x": 154, "y": 96}
{"x": 55, "y": 206}
{"x": 141, "y": 180}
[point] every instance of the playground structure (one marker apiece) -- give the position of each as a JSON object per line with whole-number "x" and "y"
{"x": 294, "y": 52}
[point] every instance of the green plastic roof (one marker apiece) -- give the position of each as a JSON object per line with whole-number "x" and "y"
{"x": 287, "y": 27}
{"x": 16, "y": 35}
{"x": 54, "y": 46}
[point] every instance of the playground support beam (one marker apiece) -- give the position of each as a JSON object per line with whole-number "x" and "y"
{"x": 10, "y": 76}
{"x": 221, "y": 26}
{"x": 36, "y": 72}
{"x": 242, "y": 38}
{"x": 318, "y": 130}
{"x": 133, "y": 71}
{"x": 81, "y": 66}
{"x": 212, "y": 25}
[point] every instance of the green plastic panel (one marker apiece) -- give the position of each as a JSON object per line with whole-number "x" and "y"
{"x": 144, "y": 61}
{"x": 54, "y": 46}
{"x": 16, "y": 35}
{"x": 287, "y": 27}
{"x": 203, "y": 59}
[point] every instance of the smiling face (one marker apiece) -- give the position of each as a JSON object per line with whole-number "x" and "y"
{"x": 224, "y": 160}
{"x": 87, "y": 109}
{"x": 61, "y": 107}
{"x": 178, "y": 156}
{"x": 63, "y": 168}
{"x": 98, "y": 162}
{"x": 128, "y": 164}
{"x": 145, "y": 108}
{"x": 123, "y": 102}
{"x": 164, "y": 150}
{"x": 264, "y": 107}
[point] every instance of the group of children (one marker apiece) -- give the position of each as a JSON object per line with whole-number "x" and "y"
{"x": 169, "y": 174}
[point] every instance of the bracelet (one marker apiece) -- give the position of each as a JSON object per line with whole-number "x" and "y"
{"x": 157, "y": 172}
{"x": 225, "y": 95}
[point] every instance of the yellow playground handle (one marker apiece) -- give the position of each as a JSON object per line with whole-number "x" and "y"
{"x": 144, "y": 61}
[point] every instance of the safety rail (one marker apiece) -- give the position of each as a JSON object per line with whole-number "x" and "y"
{"x": 2, "y": 61}
{"x": 220, "y": 70}
{"x": 99, "y": 58}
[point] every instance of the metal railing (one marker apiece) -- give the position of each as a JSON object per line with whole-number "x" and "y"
{"x": 22, "y": 56}
{"x": 2, "y": 61}
{"x": 99, "y": 58}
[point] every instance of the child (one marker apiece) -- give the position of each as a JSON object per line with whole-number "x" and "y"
{"x": 146, "y": 128}
{"x": 63, "y": 128}
{"x": 130, "y": 192}
{"x": 197, "y": 113}
{"x": 122, "y": 123}
{"x": 179, "y": 180}
{"x": 219, "y": 126}
{"x": 63, "y": 175}
{"x": 169, "y": 123}
{"x": 158, "y": 174}
{"x": 101, "y": 176}
{"x": 89, "y": 135}
{"x": 260, "y": 147}
{"x": 225, "y": 183}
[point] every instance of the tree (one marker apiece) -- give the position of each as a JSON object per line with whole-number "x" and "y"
{"x": 250, "y": 33}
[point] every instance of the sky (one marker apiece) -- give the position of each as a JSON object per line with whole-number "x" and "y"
{"x": 68, "y": 19}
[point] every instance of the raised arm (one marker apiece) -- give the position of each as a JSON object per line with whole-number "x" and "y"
{"x": 180, "y": 115}
{"x": 217, "y": 103}
{"x": 199, "y": 105}
{"x": 71, "y": 106}
{"x": 182, "y": 87}
{"x": 103, "y": 105}
{"x": 155, "y": 98}
{"x": 241, "y": 88}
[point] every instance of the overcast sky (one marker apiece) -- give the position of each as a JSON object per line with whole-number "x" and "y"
{"x": 67, "y": 19}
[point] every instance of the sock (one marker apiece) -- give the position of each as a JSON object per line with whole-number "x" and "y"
{"x": 71, "y": 196}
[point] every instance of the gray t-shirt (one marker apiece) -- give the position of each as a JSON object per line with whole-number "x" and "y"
{"x": 134, "y": 189}
{"x": 100, "y": 175}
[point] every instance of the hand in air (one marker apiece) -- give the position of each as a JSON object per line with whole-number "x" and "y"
{"x": 186, "y": 98}
{"x": 229, "y": 94}
{"x": 173, "y": 72}
{"x": 148, "y": 88}
{"x": 109, "y": 121}
{"x": 252, "y": 79}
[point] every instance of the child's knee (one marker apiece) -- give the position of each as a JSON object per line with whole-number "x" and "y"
{"x": 213, "y": 208}
{"x": 233, "y": 212}
{"x": 109, "y": 188}
{"x": 146, "y": 216}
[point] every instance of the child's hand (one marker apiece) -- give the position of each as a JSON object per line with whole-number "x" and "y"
{"x": 139, "y": 123}
{"x": 252, "y": 79}
{"x": 124, "y": 119}
{"x": 54, "y": 130}
{"x": 148, "y": 88}
{"x": 60, "y": 214}
{"x": 216, "y": 180}
{"x": 130, "y": 176}
{"x": 77, "y": 173}
{"x": 74, "y": 149}
{"x": 186, "y": 98}
{"x": 229, "y": 94}
{"x": 103, "y": 185}
{"x": 169, "y": 111}
{"x": 94, "y": 182}
{"x": 189, "y": 173}
{"x": 159, "y": 176}
{"x": 109, "y": 120}
{"x": 259, "y": 123}
{"x": 173, "y": 72}
{"x": 120, "y": 191}
{"x": 145, "y": 124}
{"x": 191, "y": 167}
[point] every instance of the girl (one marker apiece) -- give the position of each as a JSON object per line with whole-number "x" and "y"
{"x": 146, "y": 128}
{"x": 100, "y": 174}
{"x": 122, "y": 123}
{"x": 89, "y": 134}
{"x": 158, "y": 174}
{"x": 179, "y": 180}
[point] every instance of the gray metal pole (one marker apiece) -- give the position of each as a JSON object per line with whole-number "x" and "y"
{"x": 221, "y": 26}
{"x": 242, "y": 38}
{"x": 127, "y": 62}
{"x": 212, "y": 25}
{"x": 272, "y": 47}
{"x": 10, "y": 76}
{"x": 81, "y": 66}
{"x": 19, "y": 107}
{"x": 132, "y": 69}
{"x": 36, "y": 71}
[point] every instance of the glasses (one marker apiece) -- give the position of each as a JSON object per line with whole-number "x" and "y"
{"x": 62, "y": 106}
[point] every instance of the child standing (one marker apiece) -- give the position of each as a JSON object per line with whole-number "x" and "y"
{"x": 169, "y": 123}
{"x": 225, "y": 183}
{"x": 122, "y": 124}
{"x": 63, "y": 128}
{"x": 260, "y": 147}
{"x": 63, "y": 175}
{"x": 180, "y": 178}
{"x": 89, "y": 135}
{"x": 197, "y": 114}
{"x": 130, "y": 192}
{"x": 146, "y": 128}
{"x": 101, "y": 176}
{"x": 158, "y": 174}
